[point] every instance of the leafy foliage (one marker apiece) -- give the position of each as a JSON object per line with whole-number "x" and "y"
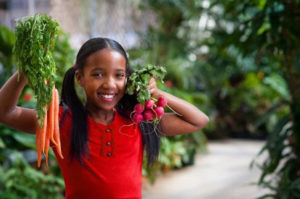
{"x": 35, "y": 39}
{"x": 7, "y": 40}
{"x": 138, "y": 81}
{"x": 266, "y": 30}
{"x": 22, "y": 181}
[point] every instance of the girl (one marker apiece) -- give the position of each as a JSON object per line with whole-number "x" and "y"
{"x": 102, "y": 148}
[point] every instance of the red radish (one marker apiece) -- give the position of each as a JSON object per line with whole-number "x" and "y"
{"x": 159, "y": 111}
{"x": 138, "y": 108}
{"x": 149, "y": 104}
{"x": 148, "y": 114}
{"x": 137, "y": 118}
{"x": 161, "y": 101}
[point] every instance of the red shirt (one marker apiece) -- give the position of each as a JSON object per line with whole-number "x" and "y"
{"x": 113, "y": 167}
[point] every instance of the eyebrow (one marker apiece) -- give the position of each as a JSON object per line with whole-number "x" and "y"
{"x": 101, "y": 69}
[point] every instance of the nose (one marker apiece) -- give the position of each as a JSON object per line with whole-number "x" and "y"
{"x": 109, "y": 83}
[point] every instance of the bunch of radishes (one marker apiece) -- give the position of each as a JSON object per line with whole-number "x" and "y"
{"x": 147, "y": 109}
{"x": 151, "y": 111}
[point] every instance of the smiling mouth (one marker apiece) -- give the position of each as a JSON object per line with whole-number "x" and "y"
{"x": 107, "y": 97}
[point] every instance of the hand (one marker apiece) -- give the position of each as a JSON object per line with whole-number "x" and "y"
{"x": 23, "y": 78}
{"x": 154, "y": 91}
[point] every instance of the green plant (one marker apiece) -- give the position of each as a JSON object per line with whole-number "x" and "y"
{"x": 266, "y": 30}
{"x": 138, "y": 81}
{"x": 7, "y": 40}
{"x": 33, "y": 48}
{"x": 64, "y": 57}
{"x": 22, "y": 181}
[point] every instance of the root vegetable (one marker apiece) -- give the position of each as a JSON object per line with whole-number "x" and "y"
{"x": 149, "y": 104}
{"x": 138, "y": 108}
{"x": 137, "y": 118}
{"x": 149, "y": 115}
{"x": 159, "y": 111}
{"x": 161, "y": 101}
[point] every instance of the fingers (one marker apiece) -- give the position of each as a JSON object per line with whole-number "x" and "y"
{"x": 152, "y": 83}
{"x": 152, "y": 91}
{"x": 152, "y": 87}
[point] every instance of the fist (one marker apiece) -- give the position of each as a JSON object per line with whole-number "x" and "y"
{"x": 154, "y": 91}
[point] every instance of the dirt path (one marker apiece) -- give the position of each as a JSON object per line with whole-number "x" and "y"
{"x": 222, "y": 173}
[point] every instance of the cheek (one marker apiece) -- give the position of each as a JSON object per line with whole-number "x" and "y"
{"x": 122, "y": 86}
{"x": 90, "y": 87}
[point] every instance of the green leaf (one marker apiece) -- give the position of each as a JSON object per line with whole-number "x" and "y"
{"x": 139, "y": 80}
{"x": 2, "y": 145}
{"x": 264, "y": 27}
{"x": 26, "y": 139}
{"x": 269, "y": 113}
{"x": 261, "y": 4}
{"x": 278, "y": 84}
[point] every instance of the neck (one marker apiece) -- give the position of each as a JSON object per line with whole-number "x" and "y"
{"x": 99, "y": 115}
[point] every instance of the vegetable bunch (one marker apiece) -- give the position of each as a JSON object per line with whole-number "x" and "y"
{"x": 148, "y": 109}
{"x": 35, "y": 37}
{"x": 50, "y": 129}
{"x": 151, "y": 111}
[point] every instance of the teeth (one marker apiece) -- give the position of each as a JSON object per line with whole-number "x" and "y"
{"x": 108, "y": 96}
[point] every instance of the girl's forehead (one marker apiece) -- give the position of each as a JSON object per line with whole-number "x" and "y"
{"x": 106, "y": 58}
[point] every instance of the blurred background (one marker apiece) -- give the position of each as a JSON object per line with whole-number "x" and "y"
{"x": 237, "y": 61}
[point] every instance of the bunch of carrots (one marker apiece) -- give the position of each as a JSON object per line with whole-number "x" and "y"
{"x": 49, "y": 131}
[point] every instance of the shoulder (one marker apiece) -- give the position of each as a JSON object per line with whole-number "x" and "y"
{"x": 64, "y": 110}
{"x": 64, "y": 116}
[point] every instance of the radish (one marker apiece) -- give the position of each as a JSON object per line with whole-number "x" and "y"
{"x": 148, "y": 114}
{"x": 138, "y": 108}
{"x": 159, "y": 111}
{"x": 138, "y": 117}
{"x": 161, "y": 101}
{"x": 149, "y": 104}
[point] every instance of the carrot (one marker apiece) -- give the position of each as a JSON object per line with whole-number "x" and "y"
{"x": 53, "y": 115}
{"x": 43, "y": 132}
{"x": 47, "y": 146}
{"x": 40, "y": 138}
{"x": 56, "y": 134}
{"x": 38, "y": 144}
{"x": 50, "y": 126}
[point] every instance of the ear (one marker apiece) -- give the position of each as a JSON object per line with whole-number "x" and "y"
{"x": 79, "y": 78}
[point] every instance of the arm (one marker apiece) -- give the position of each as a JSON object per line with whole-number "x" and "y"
{"x": 22, "y": 119}
{"x": 192, "y": 118}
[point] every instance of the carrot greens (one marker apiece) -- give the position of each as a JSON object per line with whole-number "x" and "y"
{"x": 35, "y": 37}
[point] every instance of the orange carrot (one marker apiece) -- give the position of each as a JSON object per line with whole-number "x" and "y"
{"x": 43, "y": 131}
{"x": 50, "y": 126}
{"x": 56, "y": 134}
{"x": 38, "y": 144}
{"x": 52, "y": 116}
{"x": 40, "y": 138}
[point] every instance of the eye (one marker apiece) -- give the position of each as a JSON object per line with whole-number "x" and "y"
{"x": 98, "y": 75}
{"x": 120, "y": 75}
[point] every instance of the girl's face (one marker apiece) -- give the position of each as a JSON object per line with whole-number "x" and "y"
{"x": 103, "y": 79}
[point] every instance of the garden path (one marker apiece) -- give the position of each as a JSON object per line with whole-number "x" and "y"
{"x": 222, "y": 173}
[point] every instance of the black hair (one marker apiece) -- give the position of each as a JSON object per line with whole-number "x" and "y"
{"x": 79, "y": 130}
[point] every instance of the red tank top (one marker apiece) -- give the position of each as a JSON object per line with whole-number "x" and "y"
{"x": 113, "y": 167}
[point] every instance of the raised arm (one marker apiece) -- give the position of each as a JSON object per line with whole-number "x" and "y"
{"x": 192, "y": 119}
{"x": 22, "y": 119}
